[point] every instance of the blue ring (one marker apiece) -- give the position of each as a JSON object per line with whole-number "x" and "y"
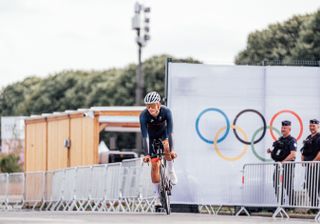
{"x": 225, "y": 117}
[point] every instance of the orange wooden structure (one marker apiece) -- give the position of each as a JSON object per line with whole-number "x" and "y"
{"x": 71, "y": 138}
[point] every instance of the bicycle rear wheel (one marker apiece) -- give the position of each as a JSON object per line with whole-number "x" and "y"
{"x": 165, "y": 200}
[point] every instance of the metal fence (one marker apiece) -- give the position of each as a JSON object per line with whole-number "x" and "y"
{"x": 116, "y": 187}
{"x": 305, "y": 63}
{"x": 281, "y": 185}
{"x": 126, "y": 187}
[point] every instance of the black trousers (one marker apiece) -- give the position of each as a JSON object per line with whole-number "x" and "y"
{"x": 287, "y": 182}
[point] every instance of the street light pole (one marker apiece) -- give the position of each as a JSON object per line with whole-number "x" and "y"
{"x": 139, "y": 76}
{"x": 140, "y": 23}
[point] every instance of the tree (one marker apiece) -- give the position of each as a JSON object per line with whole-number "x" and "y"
{"x": 12, "y": 96}
{"x": 81, "y": 89}
{"x": 71, "y": 89}
{"x": 308, "y": 44}
{"x": 10, "y": 163}
{"x": 282, "y": 41}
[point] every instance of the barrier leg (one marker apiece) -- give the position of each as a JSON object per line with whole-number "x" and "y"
{"x": 103, "y": 207}
{"x": 317, "y": 218}
{"x": 35, "y": 205}
{"x": 280, "y": 211}
{"x": 42, "y": 205}
{"x": 56, "y": 205}
{"x": 150, "y": 205}
{"x": 89, "y": 204}
{"x": 139, "y": 205}
{"x": 208, "y": 208}
{"x": 95, "y": 205}
{"x": 243, "y": 209}
{"x": 218, "y": 210}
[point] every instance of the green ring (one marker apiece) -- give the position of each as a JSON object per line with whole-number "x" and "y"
{"x": 252, "y": 145}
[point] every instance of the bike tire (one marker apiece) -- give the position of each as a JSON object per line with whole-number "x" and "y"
{"x": 165, "y": 200}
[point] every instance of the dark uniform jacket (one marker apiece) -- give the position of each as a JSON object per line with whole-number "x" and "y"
{"x": 282, "y": 148}
{"x": 311, "y": 147}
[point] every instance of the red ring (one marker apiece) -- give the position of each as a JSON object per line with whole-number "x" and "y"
{"x": 286, "y": 111}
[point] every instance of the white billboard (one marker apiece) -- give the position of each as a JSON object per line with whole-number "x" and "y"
{"x": 226, "y": 116}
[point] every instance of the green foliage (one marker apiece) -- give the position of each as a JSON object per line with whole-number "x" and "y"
{"x": 295, "y": 39}
{"x": 69, "y": 90}
{"x": 308, "y": 44}
{"x": 81, "y": 89}
{"x": 10, "y": 163}
{"x": 12, "y": 96}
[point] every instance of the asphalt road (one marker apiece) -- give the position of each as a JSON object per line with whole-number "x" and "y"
{"x": 175, "y": 218}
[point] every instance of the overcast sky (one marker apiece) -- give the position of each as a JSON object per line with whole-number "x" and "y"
{"x": 41, "y": 37}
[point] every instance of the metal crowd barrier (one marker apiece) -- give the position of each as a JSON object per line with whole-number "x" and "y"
{"x": 116, "y": 187}
{"x": 15, "y": 190}
{"x": 132, "y": 162}
{"x": 126, "y": 187}
{"x": 98, "y": 195}
{"x": 281, "y": 185}
{"x": 34, "y": 188}
{"x": 3, "y": 190}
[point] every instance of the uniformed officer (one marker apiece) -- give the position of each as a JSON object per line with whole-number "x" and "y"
{"x": 284, "y": 149}
{"x": 311, "y": 152}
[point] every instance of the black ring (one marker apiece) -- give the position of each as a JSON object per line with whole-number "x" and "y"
{"x": 264, "y": 126}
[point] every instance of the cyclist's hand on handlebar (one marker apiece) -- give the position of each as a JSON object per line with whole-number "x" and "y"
{"x": 165, "y": 144}
{"x": 173, "y": 155}
{"x": 146, "y": 159}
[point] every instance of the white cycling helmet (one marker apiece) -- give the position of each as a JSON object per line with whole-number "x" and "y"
{"x": 152, "y": 97}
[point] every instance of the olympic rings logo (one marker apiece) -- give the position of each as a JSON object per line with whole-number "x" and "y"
{"x": 219, "y": 137}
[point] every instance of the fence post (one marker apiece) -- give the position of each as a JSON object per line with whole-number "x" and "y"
{"x": 280, "y": 211}
{"x": 242, "y": 209}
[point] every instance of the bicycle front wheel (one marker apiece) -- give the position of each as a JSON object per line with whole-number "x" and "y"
{"x": 165, "y": 200}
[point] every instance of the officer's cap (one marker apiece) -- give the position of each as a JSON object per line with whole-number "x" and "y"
{"x": 286, "y": 123}
{"x": 314, "y": 121}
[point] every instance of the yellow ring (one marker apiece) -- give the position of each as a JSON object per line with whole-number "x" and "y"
{"x": 244, "y": 150}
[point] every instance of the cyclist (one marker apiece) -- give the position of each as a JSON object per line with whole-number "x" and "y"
{"x": 156, "y": 123}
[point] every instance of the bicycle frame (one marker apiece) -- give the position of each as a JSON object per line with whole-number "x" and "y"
{"x": 165, "y": 185}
